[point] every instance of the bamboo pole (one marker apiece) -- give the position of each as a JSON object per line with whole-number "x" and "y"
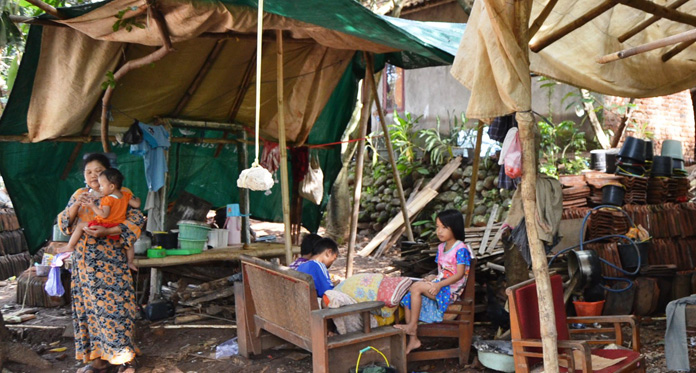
{"x": 359, "y": 159}
{"x": 474, "y": 176}
{"x": 688, "y": 36}
{"x": 676, "y": 50}
{"x": 243, "y": 161}
{"x": 540, "y": 43}
{"x": 87, "y": 139}
{"x": 643, "y": 25}
{"x": 525, "y": 121}
{"x": 539, "y": 21}
{"x": 284, "y": 183}
{"x": 661, "y": 11}
{"x": 390, "y": 153}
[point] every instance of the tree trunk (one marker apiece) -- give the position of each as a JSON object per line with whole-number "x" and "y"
{"x": 16, "y": 352}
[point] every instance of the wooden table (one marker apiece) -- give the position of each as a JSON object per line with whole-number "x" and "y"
{"x": 230, "y": 253}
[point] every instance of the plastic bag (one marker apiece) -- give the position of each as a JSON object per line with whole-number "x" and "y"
{"x": 509, "y": 138}
{"x": 312, "y": 186}
{"x": 513, "y": 158}
{"x": 53, "y": 286}
{"x": 227, "y": 349}
{"x": 134, "y": 135}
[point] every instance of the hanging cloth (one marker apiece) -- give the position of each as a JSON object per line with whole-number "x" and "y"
{"x": 270, "y": 158}
{"x": 300, "y": 163}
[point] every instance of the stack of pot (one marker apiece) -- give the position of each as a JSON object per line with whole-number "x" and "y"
{"x": 632, "y": 156}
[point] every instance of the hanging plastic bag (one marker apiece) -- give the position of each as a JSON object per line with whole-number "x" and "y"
{"x": 509, "y": 137}
{"x": 513, "y": 158}
{"x": 312, "y": 186}
{"x": 53, "y": 286}
{"x": 134, "y": 135}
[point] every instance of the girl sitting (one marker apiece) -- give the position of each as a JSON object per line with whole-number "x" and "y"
{"x": 427, "y": 301}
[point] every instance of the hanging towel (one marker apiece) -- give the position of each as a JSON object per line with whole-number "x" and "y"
{"x": 676, "y": 350}
{"x": 153, "y": 207}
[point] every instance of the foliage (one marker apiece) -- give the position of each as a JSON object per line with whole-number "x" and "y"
{"x": 439, "y": 146}
{"x": 429, "y": 226}
{"x": 403, "y": 138}
{"x": 110, "y": 81}
{"x": 557, "y": 143}
{"x": 126, "y": 23}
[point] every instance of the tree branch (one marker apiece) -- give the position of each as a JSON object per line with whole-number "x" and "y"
{"x": 47, "y": 8}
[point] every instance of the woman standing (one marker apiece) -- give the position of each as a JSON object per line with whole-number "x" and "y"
{"x": 103, "y": 299}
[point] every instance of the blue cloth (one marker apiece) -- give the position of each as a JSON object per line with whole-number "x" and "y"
{"x": 433, "y": 310}
{"x": 155, "y": 142}
{"x": 320, "y": 274}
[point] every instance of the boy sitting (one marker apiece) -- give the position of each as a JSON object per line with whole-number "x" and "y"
{"x": 305, "y": 250}
{"x": 111, "y": 210}
{"x": 324, "y": 253}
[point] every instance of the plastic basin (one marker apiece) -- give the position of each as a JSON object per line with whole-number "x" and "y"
{"x": 193, "y": 230}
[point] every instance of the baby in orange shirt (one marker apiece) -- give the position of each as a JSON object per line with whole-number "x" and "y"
{"x": 111, "y": 210}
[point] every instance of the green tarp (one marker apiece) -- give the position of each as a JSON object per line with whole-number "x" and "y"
{"x": 32, "y": 171}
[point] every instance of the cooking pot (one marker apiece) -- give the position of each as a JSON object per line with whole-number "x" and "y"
{"x": 586, "y": 265}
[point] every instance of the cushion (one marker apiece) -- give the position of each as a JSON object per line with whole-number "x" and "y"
{"x": 362, "y": 287}
{"x": 392, "y": 289}
{"x": 528, "y": 310}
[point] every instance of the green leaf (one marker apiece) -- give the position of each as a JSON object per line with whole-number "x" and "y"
{"x": 116, "y": 26}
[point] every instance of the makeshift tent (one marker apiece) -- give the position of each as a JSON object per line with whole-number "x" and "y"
{"x": 568, "y": 36}
{"x": 66, "y": 61}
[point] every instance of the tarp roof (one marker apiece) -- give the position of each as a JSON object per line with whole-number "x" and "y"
{"x": 58, "y": 87}
{"x": 571, "y": 59}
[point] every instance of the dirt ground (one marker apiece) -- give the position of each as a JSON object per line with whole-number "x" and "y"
{"x": 192, "y": 350}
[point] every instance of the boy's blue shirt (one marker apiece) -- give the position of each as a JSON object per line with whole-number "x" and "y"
{"x": 320, "y": 274}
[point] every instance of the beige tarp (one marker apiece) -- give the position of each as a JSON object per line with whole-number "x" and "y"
{"x": 64, "y": 93}
{"x": 572, "y": 58}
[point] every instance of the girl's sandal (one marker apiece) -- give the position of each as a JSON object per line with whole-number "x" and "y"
{"x": 92, "y": 369}
{"x": 127, "y": 367}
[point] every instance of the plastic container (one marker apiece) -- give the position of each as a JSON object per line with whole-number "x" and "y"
{"x": 58, "y": 236}
{"x": 156, "y": 253}
{"x": 677, "y": 164}
{"x": 649, "y": 150}
{"x": 613, "y": 195}
{"x": 218, "y": 238}
{"x": 629, "y": 258}
{"x": 142, "y": 245}
{"x": 233, "y": 225}
{"x": 588, "y": 308}
{"x": 661, "y": 166}
{"x": 233, "y": 210}
{"x": 672, "y": 148}
{"x": 164, "y": 239}
{"x": 186, "y": 244}
{"x": 193, "y": 230}
{"x": 634, "y": 149}
{"x": 42, "y": 270}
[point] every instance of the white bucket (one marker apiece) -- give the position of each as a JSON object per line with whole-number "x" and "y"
{"x": 233, "y": 225}
{"x": 142, "y": 244}
{"x": 218, "y": 238}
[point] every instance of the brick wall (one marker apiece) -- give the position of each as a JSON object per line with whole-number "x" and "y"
{"x": 667, "y": 117}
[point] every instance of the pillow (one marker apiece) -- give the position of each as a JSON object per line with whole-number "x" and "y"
{"x": 362, "y": 287}
{"x": 392, "y": 289}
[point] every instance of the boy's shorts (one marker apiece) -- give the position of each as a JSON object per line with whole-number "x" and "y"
{"x": 105, "y": 225}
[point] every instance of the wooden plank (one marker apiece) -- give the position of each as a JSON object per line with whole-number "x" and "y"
{"x": 213, "y": 255}
{"x": 489, "y": 226}
{"x": 495, "y": 241}
{"x": 422, "y": 199}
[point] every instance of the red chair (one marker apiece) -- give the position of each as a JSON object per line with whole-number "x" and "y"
{"x": 526, "y": 335}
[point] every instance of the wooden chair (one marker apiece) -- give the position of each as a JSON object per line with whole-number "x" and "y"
{"x": 276, "y": 304}
{"x": 460, "y": 327}
{"x": 526, "y": 336}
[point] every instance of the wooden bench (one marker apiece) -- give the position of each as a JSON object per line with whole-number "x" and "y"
{"x": 461, "y": 327}
{"x": 276, "y": 304}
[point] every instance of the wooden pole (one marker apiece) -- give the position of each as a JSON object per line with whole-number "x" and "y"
{"x": 88, "y": 139}
{"x": 49, "y": 9}
{"x": 390, "y": 153}
{"x": 474, "y": 175}
{"x": 132, "y": 65}
{"x": 539, "y": 21}
{"x": 359, "y": 159}
{"x": 243, "y": 154}
{"x": 688, "y": 36}
{"x": 284, "y": 183}
{"x": 676, "y": 50}
{"x": 661, "y": 11}
{"x": 643, "y": 25}
{"x": 525, "y": 121}
{"x": 538, "y": 44}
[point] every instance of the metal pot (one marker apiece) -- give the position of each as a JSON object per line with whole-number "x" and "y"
{"x": 586, "y": 265}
